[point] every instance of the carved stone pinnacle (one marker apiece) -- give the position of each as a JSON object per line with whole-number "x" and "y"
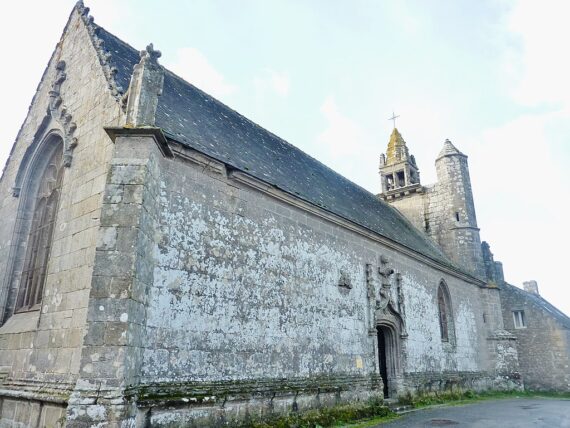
{"x": 150, "y": 54}
{"x": 144, "y": 89}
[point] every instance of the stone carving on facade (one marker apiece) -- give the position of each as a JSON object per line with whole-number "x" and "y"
{"x": 400, "y": 294}
{"x": 344, "y": 280}
{"x": 401, "y": 303}
{"x": 384, "y": 297}
{"x": 385, "y": 302}
{"x": 371, "y": 294}
{"x": 59, "y": 113}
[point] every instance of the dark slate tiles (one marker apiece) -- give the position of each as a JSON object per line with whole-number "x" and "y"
{"x": 194, "y": 118}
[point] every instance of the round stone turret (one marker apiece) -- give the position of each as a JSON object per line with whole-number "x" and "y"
{"x": 460, "y": 240}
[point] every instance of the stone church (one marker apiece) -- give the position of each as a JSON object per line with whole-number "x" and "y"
{"x": 164, "y": 261}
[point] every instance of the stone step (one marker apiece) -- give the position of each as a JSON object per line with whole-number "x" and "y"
{"x": 397, "y": 407}
{"x": 401, "y": 408}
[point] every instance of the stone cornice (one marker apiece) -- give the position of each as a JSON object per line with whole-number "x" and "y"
{"x": 402, "y": 192}
{"x": 147, "y": 131}
{"x": 37, "y": 390}
{"x": 210, "y": 392}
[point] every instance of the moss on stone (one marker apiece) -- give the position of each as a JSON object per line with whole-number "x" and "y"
{"x": 323, "y": 417}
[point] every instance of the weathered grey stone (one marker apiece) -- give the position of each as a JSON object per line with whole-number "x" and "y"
{"x": 543, "y": 336}
{"x": 444, "y": 210}
{"x": 181, "y": 289}
{"x": 144, "y": 89}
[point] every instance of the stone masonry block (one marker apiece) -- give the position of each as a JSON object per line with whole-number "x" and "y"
{"x": 133, "y": 194}
{"x": 127, "y": 174}
{"x": 107, "y": 239}
{"x": 95, "y": 334}
{"x": 114, "y": 264}
{"x": 51, "y": 417}
{"x": 113, "y": 193}
{"x": 116, "y": 333}
{"x": 120, "y": 215}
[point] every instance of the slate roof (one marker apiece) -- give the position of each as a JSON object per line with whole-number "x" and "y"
{"x": 541, "y": 303}
{"x": 195, "y": 119}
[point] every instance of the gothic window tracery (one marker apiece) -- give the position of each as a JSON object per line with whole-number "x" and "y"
{"x": 41, "y": 232}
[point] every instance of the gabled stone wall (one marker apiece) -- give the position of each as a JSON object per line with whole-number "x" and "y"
{"x": 40, "y": 350}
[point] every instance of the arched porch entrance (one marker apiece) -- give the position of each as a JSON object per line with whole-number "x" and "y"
{"x": 389, "y": 354}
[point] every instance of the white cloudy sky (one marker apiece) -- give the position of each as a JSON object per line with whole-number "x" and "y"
{"x": 326, "y": 74}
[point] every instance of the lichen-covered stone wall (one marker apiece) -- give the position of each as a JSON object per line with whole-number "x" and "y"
{"x": 246, "y": 297}
{"x": 246, "y": 287}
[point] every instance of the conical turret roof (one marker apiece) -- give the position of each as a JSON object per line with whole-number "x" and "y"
{"x": 397, "y": 150}
{"x": 448, "y": 149}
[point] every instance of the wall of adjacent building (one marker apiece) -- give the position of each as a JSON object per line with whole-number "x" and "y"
{"x": 543, "y": 344}
{"x": 41, "y": 350}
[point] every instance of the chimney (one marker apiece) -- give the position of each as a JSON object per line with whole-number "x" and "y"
{"x": 531, "y": 287}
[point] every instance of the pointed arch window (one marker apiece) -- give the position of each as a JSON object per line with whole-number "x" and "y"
{"x": 445, "y": 313}
{"x": 41, "y": 233}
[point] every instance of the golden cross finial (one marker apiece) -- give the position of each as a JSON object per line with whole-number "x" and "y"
{"x": 393, "y": 118}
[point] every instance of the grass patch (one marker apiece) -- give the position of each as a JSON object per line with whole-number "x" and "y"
{"x": 462, "y": 397}
{"x": 366, "y": 423}
{"x": 372, "y": 412}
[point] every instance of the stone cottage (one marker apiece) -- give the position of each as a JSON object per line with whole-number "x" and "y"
{"x": 164, "y": 260}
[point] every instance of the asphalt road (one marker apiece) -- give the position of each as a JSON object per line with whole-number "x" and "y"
{"x": 515, "y": 413}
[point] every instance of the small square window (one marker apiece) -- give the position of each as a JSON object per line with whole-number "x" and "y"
{"x": 519, "y": 318}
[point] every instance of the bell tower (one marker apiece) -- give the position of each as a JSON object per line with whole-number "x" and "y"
{"x": 399, "y": 174}
{"x": 444, "y": 210}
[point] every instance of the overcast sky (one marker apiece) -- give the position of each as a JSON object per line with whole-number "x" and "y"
{"x": 492, "y": 76}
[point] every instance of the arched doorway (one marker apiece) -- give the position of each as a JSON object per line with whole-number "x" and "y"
{"x": 382, "y": 358}
{"x": 388, "y": 358}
